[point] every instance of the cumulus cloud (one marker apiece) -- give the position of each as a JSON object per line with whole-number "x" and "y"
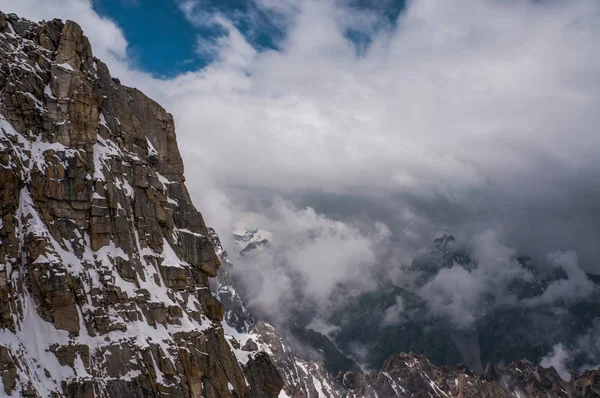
{"x": 309, "y": 256}
{"x": 462, "y": 296}
{"x": 395, "y": 113}
{"x": 558, "y": 359}
{"x": 565, "y": 291}
{"x": 471, "y": 113}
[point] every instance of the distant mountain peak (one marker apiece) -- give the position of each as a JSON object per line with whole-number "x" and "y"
{"x": 250, "y": 240}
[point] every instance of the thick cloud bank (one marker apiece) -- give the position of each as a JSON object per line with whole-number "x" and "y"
{"x": 461, "y": 119}
{"x": 308, "y": 258}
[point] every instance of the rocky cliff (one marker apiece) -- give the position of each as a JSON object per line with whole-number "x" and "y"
{"x": 408, "y": 375}
{"x": 104, "y": 261}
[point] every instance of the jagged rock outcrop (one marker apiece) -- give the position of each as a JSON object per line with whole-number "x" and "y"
{"x": 409, "y": 375}
{"x": 104, "y": 261}
{"x": 236, "y": 314}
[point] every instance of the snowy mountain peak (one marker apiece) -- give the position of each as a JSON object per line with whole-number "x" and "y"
{"x": 251, "y": 240}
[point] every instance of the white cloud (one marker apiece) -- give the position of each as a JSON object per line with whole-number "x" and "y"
{"x": 308, "y": 256}
{"x": 577, "y": 286}
{"x": 429, "y": 104}
{"x": 197, "y": 12}
{"x": 490, "y": 107}
{"x": 558, "y": 360}
{"x": 393, "y": 314}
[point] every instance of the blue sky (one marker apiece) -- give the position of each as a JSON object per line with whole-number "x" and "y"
{"x": 160, "y": 39}
{"x": 164, "y": 41}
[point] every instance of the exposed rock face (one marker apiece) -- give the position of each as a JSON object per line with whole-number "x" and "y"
{"x": 408, "y": 375}
{"x": 236, "y": 314}
{"x": 104, "y": 261}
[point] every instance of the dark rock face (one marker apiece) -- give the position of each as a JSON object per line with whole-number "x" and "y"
{"x": 263, "y": 376}
{"x": 236, "y": 314}
{"x": 408, "y": 375}
{"x": 333, "y": 359}
{"x": 104, "y": 261}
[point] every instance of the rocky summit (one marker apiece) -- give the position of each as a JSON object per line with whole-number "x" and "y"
{"x": 104, "y": 261}
{"x": 106, "y": 267}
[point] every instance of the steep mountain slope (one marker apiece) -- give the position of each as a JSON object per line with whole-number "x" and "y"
{"x": 302, "y": 377}
{"x": 104, "y": 261}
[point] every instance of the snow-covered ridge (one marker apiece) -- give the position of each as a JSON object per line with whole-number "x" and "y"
{"x": 104, "y": 261}
{"x": 251, "y": 240}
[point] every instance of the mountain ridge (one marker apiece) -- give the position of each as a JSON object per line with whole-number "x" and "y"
{"x": 104, "y": 288}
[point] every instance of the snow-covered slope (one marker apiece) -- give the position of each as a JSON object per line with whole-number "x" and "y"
{"x": 251, "y": 240}
{"x": 104, "y": 261}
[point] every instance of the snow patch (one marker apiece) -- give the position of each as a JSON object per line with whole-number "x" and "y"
{"x": 66, "y": 66}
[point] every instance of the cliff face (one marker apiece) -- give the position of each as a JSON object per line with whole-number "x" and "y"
{"x": 408, "y": 375}
{"x": 104, "y": 261}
